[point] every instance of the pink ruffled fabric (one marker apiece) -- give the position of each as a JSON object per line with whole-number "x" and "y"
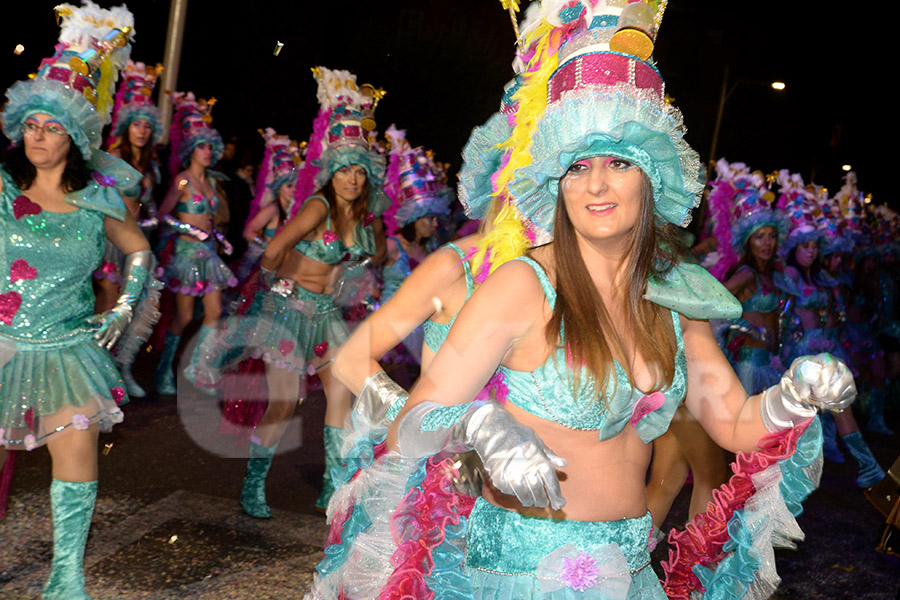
{"x": 418, "y": 526}
{"x": 702, "y": 539}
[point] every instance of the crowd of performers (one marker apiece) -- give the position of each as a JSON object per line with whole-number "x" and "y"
{"x": 586, "y": 338}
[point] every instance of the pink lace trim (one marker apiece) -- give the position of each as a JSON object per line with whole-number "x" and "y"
{"x": 702, "y": 539}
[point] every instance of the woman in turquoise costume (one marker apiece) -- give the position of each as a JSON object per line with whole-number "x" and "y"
{"x": 293, "y": 324}
{"x": 135, "y": 132}
{"x": 811, "y": 315}
{"x": 59, "y": 201}
{"x": 194, "y": 269}
{"x": 595, "y": 162}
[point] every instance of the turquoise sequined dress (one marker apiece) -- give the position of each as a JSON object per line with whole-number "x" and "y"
{"x": 53, "y": 375}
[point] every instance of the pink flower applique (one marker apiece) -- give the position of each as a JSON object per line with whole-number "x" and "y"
{"x": 80, "y": 422}
{"x": 2, "y": 435}
{"x": 329, "y": 236}
{"x": 580, "y": 573}
{"x": 20, "y": 269}
{"x": 30, "y": 442}
{"x": 321, "y": 348}
{"x": 646, "y": 405}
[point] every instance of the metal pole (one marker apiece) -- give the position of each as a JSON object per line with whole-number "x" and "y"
{"x": 715, "y": 140}
{"x": 174, "y": 37}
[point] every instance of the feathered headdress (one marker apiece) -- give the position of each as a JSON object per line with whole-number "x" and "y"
{"x": 134, "y": 101}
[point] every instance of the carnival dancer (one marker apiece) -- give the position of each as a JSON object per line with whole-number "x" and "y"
{"x": 293, "y": 323}
{"x": 811, "y": 318}
{"x": 194, "y": 269}
{"x": 598, "y": 162}
{"x": 273, "y": 202}
{"x": 59, "y": 201}
{"x": 135, "y": 132}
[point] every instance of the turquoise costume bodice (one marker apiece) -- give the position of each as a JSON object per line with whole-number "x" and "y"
{"x": 764, "y": 299}
{"x": 199, "y": 204}
{"x": 809, "y": 296}
{"x": 547, "y": 392}
{"x": 395, "y": 274}
{"x": 436, "y": 333}
{"x": 47, "y": 259}
{"x": 331, "y": 249}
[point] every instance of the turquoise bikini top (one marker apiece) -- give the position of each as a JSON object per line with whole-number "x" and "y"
{"x": 809, "y": 296}
{"x": 764, "y": 299}
{"x": 547, "y": 391}
{"x": 436, "y": 333}
{"x": 331, "y": 249}
{"x": 199, "y": 204}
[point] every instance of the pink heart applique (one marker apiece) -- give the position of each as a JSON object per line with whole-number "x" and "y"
{"x": 285, "y": 347}
{"x": 23, "y": 206}
{"x": 20, "y": 269}
{"x": 321, "y": 349}
{"x": 118, "y": 394}
{"x": 369, "y": 219}
{"x": 646, "y": 405}
{"x": 329, "y": 236}
{"x": 9, "y": 306}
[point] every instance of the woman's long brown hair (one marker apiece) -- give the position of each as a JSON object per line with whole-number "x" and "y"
{"x": 590, "y": 337}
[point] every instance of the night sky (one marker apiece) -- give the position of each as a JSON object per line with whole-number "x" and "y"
{"x": 444, "y": 63}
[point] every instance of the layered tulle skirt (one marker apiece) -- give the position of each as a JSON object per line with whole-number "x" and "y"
{"x": 195, "y": 269}
{"x": 47, "y": 391}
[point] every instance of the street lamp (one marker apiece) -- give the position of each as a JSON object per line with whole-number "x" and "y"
{"x": 726, "y": 93}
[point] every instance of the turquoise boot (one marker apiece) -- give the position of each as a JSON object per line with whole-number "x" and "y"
{"x": 876, "y": 422}
{"x": 829, "y": 439}
{"x": 165, "y": 377}
{"x": 870, "y": 471}
{"x": 253, "y": 490}
{"x": 201, "y": 358}
{"x": 334, "y": 439}
{"x": 72, "y": 504}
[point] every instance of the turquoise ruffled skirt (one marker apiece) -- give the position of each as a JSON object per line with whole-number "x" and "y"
{"x": 195, "y": 269}
{"x": 44, "y": 392}
{"x": 295, "y": 331}
{"x": 510, "y": 556}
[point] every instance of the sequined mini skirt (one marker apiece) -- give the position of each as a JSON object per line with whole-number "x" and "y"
{"x": 511, "y": 555}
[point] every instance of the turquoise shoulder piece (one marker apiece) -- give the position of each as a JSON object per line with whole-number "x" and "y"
{"x": 110, "y": 178}
{"x": 692, "y": 291}
{"x": 378, "y": 201}
{"x": 786, "y": 284}
{"x": 217, "y": 175}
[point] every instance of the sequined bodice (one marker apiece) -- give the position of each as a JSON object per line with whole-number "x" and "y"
{"x": 395, "y": 274}
{"x": 436, "y": 333}
{"x": 198, "y": 204}
{"x": 46, "y": 260}
{"x": 330, "y": 249}
{"x": 808, "y": 295}
{"x": 764, "y": 299}
{"x": 547, "y": 392}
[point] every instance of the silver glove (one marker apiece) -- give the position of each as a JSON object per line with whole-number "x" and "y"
{"x": 112, "y": 323}
{"x": 378, "y": 396}
{"x": 514, "y": 457}
{"x": 811, "y": 382}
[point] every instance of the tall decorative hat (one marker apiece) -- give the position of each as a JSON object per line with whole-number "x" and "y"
{"x": 800, "y": 208}
{"x": 76, "y": 84}
{"x": 281, "y": 162}
{"x": 191, "y": 126}
{"x": 423, "y": 191}
{"x": 740, "y": 204}
{"x": 341, "y": 136}
{"x": 134, "y": 101}
{"x": 588, "y": 88}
